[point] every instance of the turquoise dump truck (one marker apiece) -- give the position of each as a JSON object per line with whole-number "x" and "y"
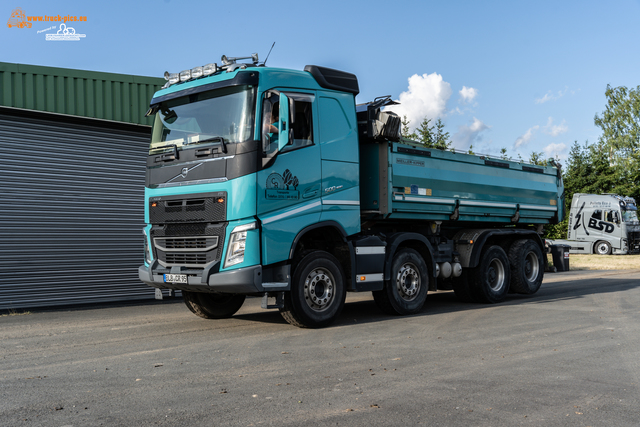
{"x": 272, "y": 182}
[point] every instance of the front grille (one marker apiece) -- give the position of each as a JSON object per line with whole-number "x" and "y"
{"x": 188, "y": 245}
{"x": 186, "y": 259}
{"x": 198, "y": 208}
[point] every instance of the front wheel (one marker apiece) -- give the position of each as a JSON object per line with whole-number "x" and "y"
{"x": 603, "y": 248}
{"x": 406, "y": 292}
{"x": 213, "y": 306}
{"x": 317, "y": 292}
{"x": 492, "y": 276}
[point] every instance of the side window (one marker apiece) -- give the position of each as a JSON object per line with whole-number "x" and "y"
{"x": 301, "y": 109}
{"x": 270, "y": 112}
{"x": 597, "y": 214}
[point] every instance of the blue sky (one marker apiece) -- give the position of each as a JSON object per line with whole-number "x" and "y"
{"x": 526, "y": 76}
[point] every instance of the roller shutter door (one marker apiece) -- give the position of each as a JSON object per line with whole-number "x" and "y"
{"x": 71, "y": 210}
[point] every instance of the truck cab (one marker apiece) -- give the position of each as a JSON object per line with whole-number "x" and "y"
{"x": 603, "y": 224}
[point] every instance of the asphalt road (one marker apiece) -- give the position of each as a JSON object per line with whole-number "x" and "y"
{"x": 568, "y": 356}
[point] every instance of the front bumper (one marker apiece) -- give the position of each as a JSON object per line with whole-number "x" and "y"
{"x": 246, "y": 280}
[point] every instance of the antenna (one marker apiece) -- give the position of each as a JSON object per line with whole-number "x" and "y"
{"x": 265, "y": 61}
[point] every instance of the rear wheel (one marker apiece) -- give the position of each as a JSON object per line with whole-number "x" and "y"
{"x": 491, "y": 276}
{"x": 603, "y": 248}
{"x": 317, "y": 291}
{"x": 406, "y": 292}
{"x": 214, "y": 305}
{"x": 527, "y": 266}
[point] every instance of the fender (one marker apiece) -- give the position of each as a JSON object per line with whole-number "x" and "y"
{"x": 394, "y": 242}
{"x": 470, "y": 256}
{"x": 332, "y": 224}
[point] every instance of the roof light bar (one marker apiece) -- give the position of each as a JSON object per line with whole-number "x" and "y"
{"x": 206, "y": 70}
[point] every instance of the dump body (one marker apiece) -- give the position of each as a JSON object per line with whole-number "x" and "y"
{"x": 400, "y": 181}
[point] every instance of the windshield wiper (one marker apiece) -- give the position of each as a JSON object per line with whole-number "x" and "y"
{"x": 167, "y": 157}
{"x": 215, "y": 139}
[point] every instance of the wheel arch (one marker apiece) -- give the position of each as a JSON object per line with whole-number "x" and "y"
{"x": 415, "y": 241}
{"x": 488, "y": 237}
{"x": 329, "y": 236}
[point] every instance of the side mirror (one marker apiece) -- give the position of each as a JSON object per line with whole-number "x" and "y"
{"x": 284, "y": 123}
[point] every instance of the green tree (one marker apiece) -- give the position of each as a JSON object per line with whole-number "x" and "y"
{"x": 431, "y": 136}
{"x": 406, "y": 133}
{"x": 426, "y": 133}
{"x": 503, "y": 154}
{"x": 537, "y": 158}
{"x": 620, "y": 124}
{"x": 441, "y": 137}
{"x": 619, "y": 143}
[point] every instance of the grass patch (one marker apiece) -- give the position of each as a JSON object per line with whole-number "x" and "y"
{"x": 14, "y": 312}
{"x": 603, "y": 262}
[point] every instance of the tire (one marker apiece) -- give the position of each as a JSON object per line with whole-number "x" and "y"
{"x": 527, "y": 267}
{"x": 462, "y": 287}
{"x": 317, "y": 291}
{"x": 406, "y": 292}
{"x": 492, "y": 276}
{"x": 602, "y": 247}
{"x": 214, "y": 305}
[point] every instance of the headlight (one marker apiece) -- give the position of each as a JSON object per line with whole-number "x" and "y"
{"x": 147, "y": 251}
{"x": 237, "y": 241}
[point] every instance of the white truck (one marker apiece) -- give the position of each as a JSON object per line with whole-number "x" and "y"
{"x": 602, "y": 224}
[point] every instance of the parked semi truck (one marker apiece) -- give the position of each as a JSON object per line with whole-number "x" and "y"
{"x": 272, "y": 182}
{"x": 602, "y": 224}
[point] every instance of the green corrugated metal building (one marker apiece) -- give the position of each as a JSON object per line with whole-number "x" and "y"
{"x": 107, "y": 96}
{"x": 74, "y": 145}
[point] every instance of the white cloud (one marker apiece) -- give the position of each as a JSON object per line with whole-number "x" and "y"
{"x": 556, "y": 150}
{"x": 555, "y": 130}
{"x": 427, "y": 96}
{"x": 524, "y": 139}
{"x": 467, "y": 135}
{"x": 550, "y": 96}
{"x": 468, "y": 94}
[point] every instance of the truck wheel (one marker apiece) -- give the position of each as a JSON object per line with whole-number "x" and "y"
{"x": 462, "y": 287}
{"x": 527, "y": 267}
{"x": 213, "y": 306}
{"x": 317, "y": 292}
{"x": 603, "y": 248}
{"x": 406, "y": 292}
{"x": 491, "y": 277}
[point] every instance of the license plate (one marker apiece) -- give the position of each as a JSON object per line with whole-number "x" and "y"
{"x": 175, "y": 278}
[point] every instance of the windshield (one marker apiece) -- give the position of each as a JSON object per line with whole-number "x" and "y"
{"x": 218, "y": 117}
{"x": 629, "y": 215}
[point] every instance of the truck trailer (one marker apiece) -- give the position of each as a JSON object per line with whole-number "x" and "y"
{"x": 602, "y": 224}
{"x": 272, "y": 182}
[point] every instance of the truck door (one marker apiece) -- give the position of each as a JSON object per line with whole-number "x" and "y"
{"x": 288, "y": 185}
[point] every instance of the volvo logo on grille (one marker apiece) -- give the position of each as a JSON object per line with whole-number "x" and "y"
{"x": 184, "y": 171}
